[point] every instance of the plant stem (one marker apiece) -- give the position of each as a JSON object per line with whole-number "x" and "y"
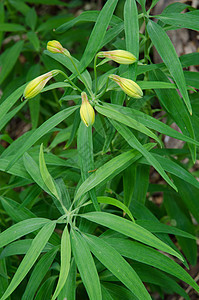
{"x": 74, "y": 85}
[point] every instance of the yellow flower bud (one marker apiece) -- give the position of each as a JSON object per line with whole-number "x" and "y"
{"x": 86, "y": 111}
{"x": 56, "y": 47}
{"x": 119, "y": 56}
{"x": 131, "y": 88}
{"x": 35, "y": 86}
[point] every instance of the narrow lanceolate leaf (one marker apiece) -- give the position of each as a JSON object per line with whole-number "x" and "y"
{"x": 98, "y": 33}
{"x": 150, "y": 122}
{"x": 86, "y": 266}
{"x": 134, "y": 143}
{"x": 45, "y": 174}
{"x": 38, "y": 273}
{"x": 113, "y": 261}
{"x": 130, "y": 229}
{"x": 9, "y": 59}
{"x": 176, "y": 109}
{"x": 20, "y": 229}
{"x": 110, "y": 169}
{"x": 65, "y": 262}
{"x": 110, "y": 112}
{"x": 168, "y": 54}
{"x": 41, "y": 131}
{"x": 85, "y": 155}
{"x": 31, "y": 256}
{"x": 187, "y": 20}
{"x": 150, "y": 256}
{"x": 131, "y": 28}
{"x": 117, "y": 203}
{"x": 10, "y": 101}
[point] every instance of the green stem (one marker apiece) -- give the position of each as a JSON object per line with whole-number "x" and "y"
{"x": 74, "y": 85}
{"x": 95, "y": 72}
{"x": 80, "y": 76}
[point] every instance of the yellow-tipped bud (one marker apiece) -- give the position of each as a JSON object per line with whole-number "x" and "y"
{"x": 131, "y": 88}
{"x": 86, "y": 111}
{"x": 35, "y": 86}
{"x": 119, "y": 56}
{"x": 56, "y": 47}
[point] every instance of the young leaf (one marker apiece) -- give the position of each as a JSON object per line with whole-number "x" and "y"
{"x": 48, "y": 180}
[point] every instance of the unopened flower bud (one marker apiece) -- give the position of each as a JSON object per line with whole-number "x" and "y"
{"x": 86, "y": 111}
{"x": 56, "y": 47}
{"x": 119, "y": 56}
{"x": 35, "y": 86}
{"x": 131, "y": 88}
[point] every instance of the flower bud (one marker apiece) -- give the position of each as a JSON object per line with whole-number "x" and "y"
{"x": 56, "y": 47}
{"x": 35, "y": 86}
{"x": 119, "y": 56}
{"x": 131, "y": 88}
{"x": 86, "y": 111}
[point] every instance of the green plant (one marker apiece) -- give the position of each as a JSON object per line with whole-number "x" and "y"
{"x": 84, "y": 210}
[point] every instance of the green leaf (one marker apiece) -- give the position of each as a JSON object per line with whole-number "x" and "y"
{"x": 129, "y": 229}
{"x": 65, "y": 262}
{"x": 9, "y": 59}
{"x": 41, "y": 131}
{"x": 131, "y": 36}
{"x": 168, "y": 54}
{"x": 187, "y": 20}
{"x": 46, "y": 290}
{"x": 110, "y": 112}
{"x": 117, "y": 203}
{"x": 48, "y": 180}
{"x": 149, "y": 256}
{"x": 173, "y": 168}
{"x": 33, "y": 38}
{"x": 31, "y": 18}
{"x": 69, "y": 288}
{"x": 113, "y": 261}
{"x": 163, "y": 228}
{"x": 33, "y": 253}
{"x": 134, "y": 143}
{"x": 98, "y": 33}
{"x": 20, "y": 247}
{"x": 129, "y": 176}
{"x": 20, "y": 229}
{"x": 109, "y": 169}
{"x": 131, "y": 22}
{"x": 176, "y": 109}
{"x": 178, "y": 211}
{"x": 85, "y": 155}
{"x": 37, "y": 275}
{"x": 11, "y": 27}
{"x": 86, "y": 16}
{"x": 148, "y": 121}
{"x": 86, "y": 266}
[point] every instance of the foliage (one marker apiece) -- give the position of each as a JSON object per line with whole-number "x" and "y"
{"x": 76, "y": 212}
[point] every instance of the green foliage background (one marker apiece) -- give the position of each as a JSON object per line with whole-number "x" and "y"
{"x": 77, "y": 211}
